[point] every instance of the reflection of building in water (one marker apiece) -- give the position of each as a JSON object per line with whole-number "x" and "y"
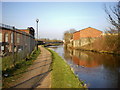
{"x": 82, "y": 59}
{"x": 91, "y": 59}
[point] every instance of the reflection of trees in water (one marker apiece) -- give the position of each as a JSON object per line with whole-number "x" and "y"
{"x": 67, "y": 54}
{"x": 111, "y": 62}
{"x": 91, "y": 59}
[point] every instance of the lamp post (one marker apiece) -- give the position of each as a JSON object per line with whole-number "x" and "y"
{"x": 37, "y": 20}
{"x": 13, "y": 45}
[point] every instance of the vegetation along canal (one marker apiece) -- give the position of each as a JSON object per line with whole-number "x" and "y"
{"x": 96, "y": 70}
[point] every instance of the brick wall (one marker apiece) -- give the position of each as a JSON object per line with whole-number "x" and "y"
{"x": 85, "y": 36}
{"x": 29, "y": 30}
{"x": 24, "y": 30}
{"x": 76, "y": 35}
{"x": 90, "y": 32}
{"x": 21, "y": 40}
{"x": 87, "y": 32}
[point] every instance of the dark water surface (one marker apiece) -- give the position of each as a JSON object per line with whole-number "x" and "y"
{"x": 96, "y": 70}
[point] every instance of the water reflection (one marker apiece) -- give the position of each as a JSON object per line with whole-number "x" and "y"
{"x": 97, "y": 70}
{"x": 91, "y": 59}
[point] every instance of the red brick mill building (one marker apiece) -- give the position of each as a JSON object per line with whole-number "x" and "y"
{"x": 85, "y": 36}
{"x": 12, "y": 39}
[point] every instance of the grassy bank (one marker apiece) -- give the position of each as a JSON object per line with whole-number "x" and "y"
{"x": 10, "y": 75}
{"x": 62, "y": 75}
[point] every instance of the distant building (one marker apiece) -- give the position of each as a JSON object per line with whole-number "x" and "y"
{"x": 85, "y": 36}
{"x": 29, "y": 30}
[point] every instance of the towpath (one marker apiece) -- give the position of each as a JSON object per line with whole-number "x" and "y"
{"x": 38, "y": 74}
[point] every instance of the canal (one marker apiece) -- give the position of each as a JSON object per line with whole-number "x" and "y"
{"x": 96, "y": 70}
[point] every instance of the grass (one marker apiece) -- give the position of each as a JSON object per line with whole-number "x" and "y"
{"x": 62, "y": 75}
{"x": 10, "y": 61}
{"x": 17, "y": 71}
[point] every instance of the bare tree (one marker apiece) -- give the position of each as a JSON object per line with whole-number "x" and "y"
{"x": 113, "y": 14}
{"x": 68, "y": 35}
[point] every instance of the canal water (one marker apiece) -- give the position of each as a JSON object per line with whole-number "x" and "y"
{"x": 96, "y": 70}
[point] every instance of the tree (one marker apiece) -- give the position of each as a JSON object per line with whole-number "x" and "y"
{"x": 68, "y": 35}
{"x": 113, "y": 14}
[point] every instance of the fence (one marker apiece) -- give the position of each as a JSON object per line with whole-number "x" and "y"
{"x": 15, "y": 46}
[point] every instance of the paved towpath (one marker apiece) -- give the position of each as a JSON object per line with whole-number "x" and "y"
{"x": 38, "y": 74}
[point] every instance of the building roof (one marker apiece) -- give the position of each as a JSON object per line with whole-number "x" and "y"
{"x": 7, "y": 26}
{"x": 91, "y": 28}
{"x": 87, "y": 32}
{"x": 85, "y": 29}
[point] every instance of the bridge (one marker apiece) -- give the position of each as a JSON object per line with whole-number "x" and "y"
{"x": 49, "y": 43}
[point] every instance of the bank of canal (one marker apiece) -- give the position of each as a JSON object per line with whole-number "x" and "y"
{"x": 95, "y": 69}
{"x": 62, "y": 75}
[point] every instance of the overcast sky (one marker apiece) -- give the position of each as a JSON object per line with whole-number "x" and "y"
{"x": 55, "y": 17}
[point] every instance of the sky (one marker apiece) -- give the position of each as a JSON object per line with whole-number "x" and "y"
{"x": 55, "y": 17}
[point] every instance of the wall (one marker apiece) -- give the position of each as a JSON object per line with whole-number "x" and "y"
{"x": 17, "y": 40}
{"x": 90, "y": 32}
{"x": 16, "y": 49}
{"x": 85, "y": 36}
{"x": 76, "y": 35}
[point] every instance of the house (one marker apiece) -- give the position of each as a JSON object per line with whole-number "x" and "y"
{"x": 85, "y": 36}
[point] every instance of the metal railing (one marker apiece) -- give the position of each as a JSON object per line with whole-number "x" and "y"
{"x": 6, "y": 26}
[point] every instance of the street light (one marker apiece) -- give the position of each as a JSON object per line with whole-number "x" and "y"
{"x": 37, "y": 20}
